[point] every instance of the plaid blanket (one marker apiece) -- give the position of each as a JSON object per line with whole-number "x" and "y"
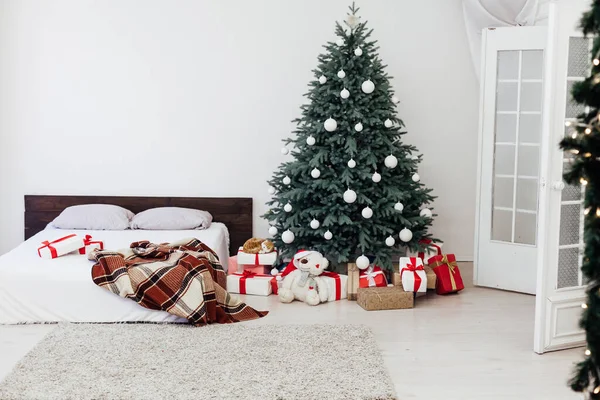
{"x": 184, "y": 279}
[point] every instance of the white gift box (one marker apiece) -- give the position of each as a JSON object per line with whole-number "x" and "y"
{"x": 256, "y": 259}
{"x": 337, "y": 291}
{"x": 435, "y": 249}
{"x": 60, "y": 246}
{"x": 258, "y": 285}
{"x": 411, "y": 270}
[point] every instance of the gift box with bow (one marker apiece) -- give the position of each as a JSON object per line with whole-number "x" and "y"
{"x": 447, "y": 273}
{"x": 430, "y": 249}
{"x": 250, "y": 283}
{"x": 90, "y": 245}
{"x": 61, "y": 246}
{"x": 412, "y": 274}
{"x": 244, "y": 259}
{"x": 234, "y": 267}
{"x": 372, "y": 276}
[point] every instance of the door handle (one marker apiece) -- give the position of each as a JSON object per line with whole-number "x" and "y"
{"x": 558, "y": 185}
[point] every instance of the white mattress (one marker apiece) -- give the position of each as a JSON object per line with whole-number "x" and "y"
{"x": 36, "y": 290}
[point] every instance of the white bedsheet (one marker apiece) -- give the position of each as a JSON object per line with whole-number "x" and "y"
{"x": 36, "y": 290}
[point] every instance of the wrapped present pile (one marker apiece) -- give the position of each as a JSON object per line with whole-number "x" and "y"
{"x": 256, "y": 255}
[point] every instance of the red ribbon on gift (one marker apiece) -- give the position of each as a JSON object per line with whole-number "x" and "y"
{"x": 52, "y": 249}
{"x": 249, "y": 275}
{"x": 429, "y": 242}
{"x": 338, "y": 283}
{"x": 413, "y": 268}
{"x": 87, "y": 241}
{"x": 256, "y": 260}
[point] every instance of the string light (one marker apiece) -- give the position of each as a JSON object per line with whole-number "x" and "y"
{"x": 568, "y": 123}
{"x": 596, "y": 62}
{"x": 583, "y": 181}
{"x": 587, "y": 211}
{"x": 574, "y": 135}
{"x": 575, "y": 151}
{"x": 587, "y": 155}
{"x": 597, "y": 390}
{"x": 583, "y": 305}
{"x": 588, "y": 352}
{"x": 598, "y": 212}
{"x": 588, "y": 131}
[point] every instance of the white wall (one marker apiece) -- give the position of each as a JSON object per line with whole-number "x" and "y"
{"x": 192, "y": 98}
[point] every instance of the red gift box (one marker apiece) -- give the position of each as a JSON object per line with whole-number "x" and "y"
{"x": 87, "y": 241}
{"x": 372, "y": 277}
{"x": 448, "y": 279}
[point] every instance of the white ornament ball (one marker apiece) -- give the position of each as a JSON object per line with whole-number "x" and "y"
{"x": 358, "y": 127}
{"x": 315, "y": 173}
{"x": 399, "y": 206}
{"x": 341, "y": 74}
{"x": 406, "y": 235}
{"x": 388, "y": 123}
{"x": 273, "y": 231}
{"x": 315, "y": 224}
{"x": 376, "y": 177}
{"x": 288, "y": 236}
{"x": 330, "y": 125}
{"x": 367, "y": 212}
{"x": 362, "y": 262}
{"x": 350, "y": 196}
{"x": 287, "y": 180}
{"x": 310, "y": 140}
{"x": 271, "y": 190}
{"x": 328, "y": 235}
{"x": 344, "y": 94}
{"x": 285, "y": 151}
{"x": 339, "y": 42}
{"x": 287, "y": 208}
{"x": 351, "y": 163}
{"x": 390, "y": 241}
{"x": 416, "y": 177}
{"x": 322, "y": 79}
{"x": 391, "y": 161}
{"x": 426, "y": 212}
{"x": 367, "y": 86}
{"x": 395, "y": 100}
{"x": 358, "y": 51}
{"x": 274, "y": 271}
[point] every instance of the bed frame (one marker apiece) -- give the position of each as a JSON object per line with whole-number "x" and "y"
{"x": 235, "y": 212}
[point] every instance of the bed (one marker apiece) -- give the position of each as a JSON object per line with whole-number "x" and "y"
{"x": 34, "y": 290}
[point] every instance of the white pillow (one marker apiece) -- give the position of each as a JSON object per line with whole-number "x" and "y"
{"x": 171, "y": 218}
{"x": 93, "y": 217}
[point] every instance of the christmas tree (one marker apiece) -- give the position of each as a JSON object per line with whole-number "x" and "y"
{"x": 584, "y": 143}
{"x": 352, "y": 188}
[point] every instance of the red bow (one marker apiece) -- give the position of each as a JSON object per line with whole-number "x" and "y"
{"x": 414, "y": 269}
{"x": 87, "y": 240}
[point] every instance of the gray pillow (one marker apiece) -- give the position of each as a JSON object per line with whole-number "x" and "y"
{"x": 171, "y": 218}
{"x": 94, "y": 217}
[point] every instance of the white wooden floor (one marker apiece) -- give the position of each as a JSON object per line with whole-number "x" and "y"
{"x": 475, "y": 345}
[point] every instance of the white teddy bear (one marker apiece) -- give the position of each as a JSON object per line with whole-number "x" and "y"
{"x": 304, "y": 283}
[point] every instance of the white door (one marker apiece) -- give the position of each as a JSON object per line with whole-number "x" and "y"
{"x": 560, "y": 286}
{"x": 507, "y": 227}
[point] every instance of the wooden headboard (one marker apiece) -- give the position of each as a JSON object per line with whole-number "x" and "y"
{"x": 234, "y": 212}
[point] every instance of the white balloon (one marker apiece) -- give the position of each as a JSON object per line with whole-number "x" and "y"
{"x": 322, "y": 79}
{"x": 315, "y": 173}
{"x": 287, "y": 180}
{"x": 362, "y": 262}
{"x": 399, "y": 206}
{"x": 287, "y": 208}
{"x": 330, "y": 125}
{"x": 367, "y": 86}
{"x": 388, "y": 123}
{"x": 406, "y": 235}
{"x": 367, "y": 212}
{"x": 395, "y": 100}
{"x": 310, "y": 140}
{"x": 273, "y": 231}
{"x": 285, "y": 151}
{"x": 416, "y": 177}
{"x": 350, "y": 196}
{"x": 426, "y": 212}
{"x": 339, "y": 42}
{"x": 376, "y": 177}
{"x": 271, "y": 190}
{"x": 288, "y": 236}
{"x": 351, "y": 163}
{"x": 341, "y": 74}
{"x": 344, "y": 94}
{"x": 391, "y": 161}
{"x": 390, "y": 241}
{"x": 358, "y": 51}
{"x": 358, "y": 127}
{"x": 315, "y": 224}
{"x": 328, "y": 235}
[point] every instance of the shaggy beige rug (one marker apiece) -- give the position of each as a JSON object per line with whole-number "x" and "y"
{"x": 237, "y": 361}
